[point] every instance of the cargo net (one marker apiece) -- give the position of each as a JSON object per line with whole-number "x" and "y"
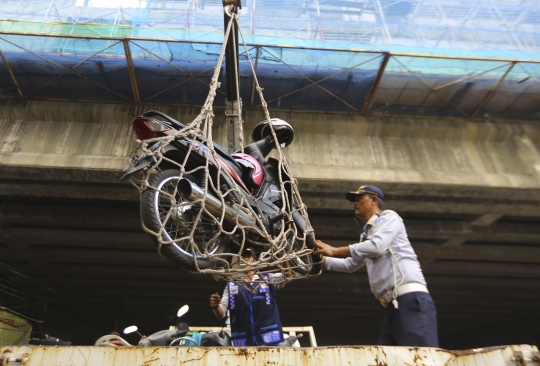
{"x": 210, "y": 239}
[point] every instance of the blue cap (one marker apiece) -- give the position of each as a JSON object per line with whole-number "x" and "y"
{"x": 351, "y": 196}
{"x": 250, "y": 251}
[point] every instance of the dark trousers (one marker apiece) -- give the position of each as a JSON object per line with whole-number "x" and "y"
{"x": 413, "y": 323}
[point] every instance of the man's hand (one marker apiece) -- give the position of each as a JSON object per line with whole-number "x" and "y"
{"x": 215, "y": 300}
{"x": 287, "y": 270}
{"x": 330, "y": 251}
{"x": 323, "y": 248}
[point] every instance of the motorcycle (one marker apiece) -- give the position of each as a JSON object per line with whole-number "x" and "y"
{"x": 48, "y": 340}
{"x": 179, "y": 335}
{"x": 182, "y": 172}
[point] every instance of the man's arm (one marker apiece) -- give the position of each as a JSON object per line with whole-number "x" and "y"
{"x": 286, "y": 269}
{"x": 330, "y": 251}
{"x": 343, "y": 262}
{"x": 348, "y": 265}
{"x": 219, "y": 304}
{"x": 277, "y": 280}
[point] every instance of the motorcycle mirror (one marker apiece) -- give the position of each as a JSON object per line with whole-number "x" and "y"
{"x": 131, "y": 329}
{"x": 184, "y": 309}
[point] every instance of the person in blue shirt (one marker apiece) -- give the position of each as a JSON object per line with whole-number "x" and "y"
{"x": 253, "y": 310}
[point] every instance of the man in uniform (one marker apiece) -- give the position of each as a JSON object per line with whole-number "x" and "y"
{"x": 252, "y": 307}
{"x": 395, "y": 276}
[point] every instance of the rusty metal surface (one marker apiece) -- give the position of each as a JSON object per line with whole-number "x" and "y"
{"x": 355, "y": 355}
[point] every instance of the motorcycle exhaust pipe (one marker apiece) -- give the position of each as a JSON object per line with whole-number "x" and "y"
{"x": 193, "y": 192}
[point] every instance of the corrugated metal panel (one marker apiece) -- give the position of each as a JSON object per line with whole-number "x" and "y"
{"x": 357, "y": 355}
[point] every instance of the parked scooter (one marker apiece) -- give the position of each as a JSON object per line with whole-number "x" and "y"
{"x": 179, "y": 335}
{"x": 256, "y": 175}
{"x": 48, "y": 340}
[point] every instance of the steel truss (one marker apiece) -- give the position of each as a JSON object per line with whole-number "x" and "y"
{"x": 524, "y": 85}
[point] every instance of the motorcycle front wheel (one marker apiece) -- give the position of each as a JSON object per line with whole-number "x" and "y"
{"x": 163, "y": 207}
{"x": 308, "y": 264}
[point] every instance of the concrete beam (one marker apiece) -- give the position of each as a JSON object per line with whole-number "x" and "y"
{"x": 486, "y": 220}
{"x": 477, "y": 268}
{"x": 343, "y": 229}
{"x": 86, "y": 214}
{"x": 43, "y": 237}
{"x": 103, "y": 270}
{"x": 104, "y": 185}
{"x": 327, "y": 147}
{"x": 492, "y": 202}
{"x": 78, "y": 255}
{"x": 428, "y": 254}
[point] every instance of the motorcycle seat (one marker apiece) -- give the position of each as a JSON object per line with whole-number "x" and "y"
{"x": 225, "y": 155}
{"x": 220, "y": 150}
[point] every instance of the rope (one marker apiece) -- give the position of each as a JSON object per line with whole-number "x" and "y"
{"x": 284, "y": 252}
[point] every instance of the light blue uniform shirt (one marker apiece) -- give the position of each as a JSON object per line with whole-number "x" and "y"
{"x": 384, "y": 232}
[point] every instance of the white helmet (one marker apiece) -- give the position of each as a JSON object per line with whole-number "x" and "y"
{"x": 284, "y": 131}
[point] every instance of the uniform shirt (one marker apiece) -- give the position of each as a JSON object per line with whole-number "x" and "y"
{"x": 382, "y": 232}
{"x": 275, "y": 279}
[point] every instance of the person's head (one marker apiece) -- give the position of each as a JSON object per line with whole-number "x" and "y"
{"x": 249, "y": 255}
{"x": 368, "y": 200}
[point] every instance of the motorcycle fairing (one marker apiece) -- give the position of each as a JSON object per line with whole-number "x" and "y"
{"x": 199, "y": 150}
{"x": 232, "y": 172}
{"x": 142, "y": 161}
{"x": 255, "y": 171}
{"x": 169, "y": 121}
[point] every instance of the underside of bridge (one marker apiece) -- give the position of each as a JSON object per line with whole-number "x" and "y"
{"x": 73, "y": 252}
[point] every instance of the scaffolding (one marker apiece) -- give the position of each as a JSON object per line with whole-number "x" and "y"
{"x": 132, "y": 53}
{"x": 426, "y": 26}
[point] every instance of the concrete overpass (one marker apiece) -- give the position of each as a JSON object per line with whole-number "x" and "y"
{"x": 468, "y": 192}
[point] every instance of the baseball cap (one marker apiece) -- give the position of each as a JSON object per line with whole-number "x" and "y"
{"x": 351, "y": 196}
{"x": 250, "y": 251}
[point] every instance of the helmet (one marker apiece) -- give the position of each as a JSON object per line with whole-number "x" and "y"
{"x": 284, "y": 131}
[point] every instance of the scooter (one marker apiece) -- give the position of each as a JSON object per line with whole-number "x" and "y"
{"x": 249, "y": 182}
{"x": 179, "y": 335}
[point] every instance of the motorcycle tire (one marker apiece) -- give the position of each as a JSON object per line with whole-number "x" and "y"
{"x": 155, "y": 205}
{"x": 310, "y": 263}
